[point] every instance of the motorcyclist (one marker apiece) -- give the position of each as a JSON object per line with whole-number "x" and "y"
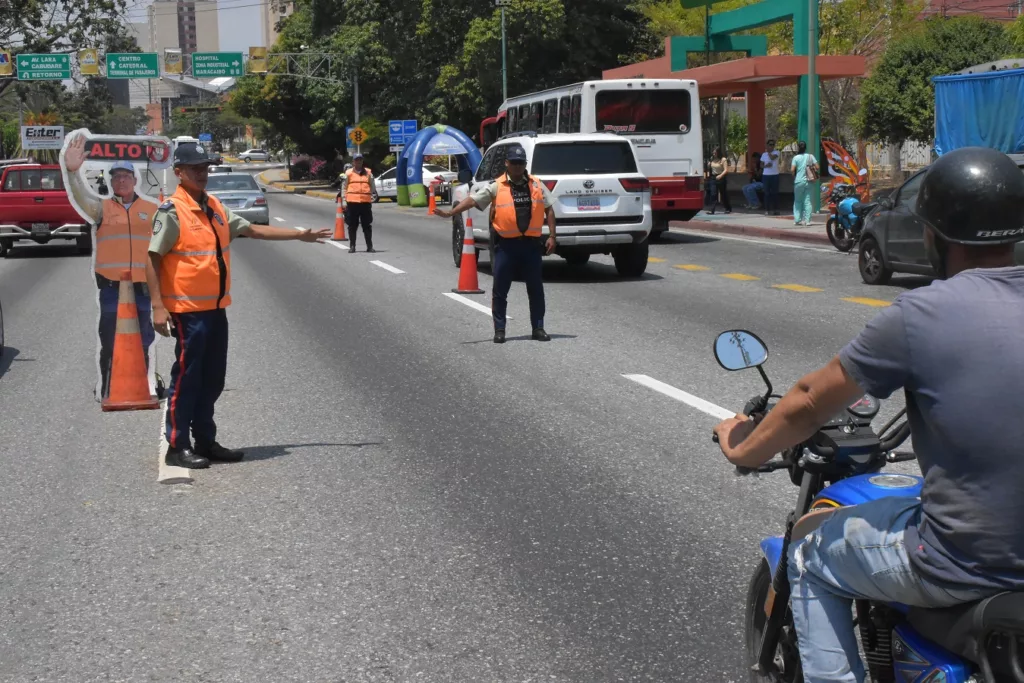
{"x": 955, "y": 348}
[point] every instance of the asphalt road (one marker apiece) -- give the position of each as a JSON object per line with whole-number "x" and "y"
{"x": 416, "y": 503}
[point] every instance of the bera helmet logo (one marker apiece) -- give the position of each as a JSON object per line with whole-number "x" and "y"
{"x": 1001, "y": 233}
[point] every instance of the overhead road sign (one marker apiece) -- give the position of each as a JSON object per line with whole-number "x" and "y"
{"x": 133, "y": 65}
{"x": 43, "y": 67}
{"x": 216, "y": 64}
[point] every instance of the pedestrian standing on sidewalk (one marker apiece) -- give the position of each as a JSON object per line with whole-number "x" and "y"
{"x": 770, "y": 178}
{"x": 358, "y": 192}
{"x": 755, "y": 184}
{"x": 719, "y": 187}
{"x": 805, "y": 172}
{"x": 189, "y": 275}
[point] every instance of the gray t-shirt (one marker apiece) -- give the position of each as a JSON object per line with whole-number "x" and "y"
{"x": 957, "y": 348}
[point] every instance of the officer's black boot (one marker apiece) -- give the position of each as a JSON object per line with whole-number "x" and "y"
{"x": 499, "y": 336}
{"x": 186, "y": 457}
{"x": 540, "y": 335}
{"x": 217, "y": 453}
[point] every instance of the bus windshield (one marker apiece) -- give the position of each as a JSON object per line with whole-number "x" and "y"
{"x": 643, "y": 111}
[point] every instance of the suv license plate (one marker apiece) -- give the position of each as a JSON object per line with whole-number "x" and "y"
{"x": 588, "y": 203}
{"x": 43, "y": 228}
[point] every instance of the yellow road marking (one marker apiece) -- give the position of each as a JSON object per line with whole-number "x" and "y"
{"x": 655, "y": 259}
{"x": 739, "y": 276}
{"x": 798, "y": 288}
{"x": 690, "y": 266}
{"x": 867, "y": 302}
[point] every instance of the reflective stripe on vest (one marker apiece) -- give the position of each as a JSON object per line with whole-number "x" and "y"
{"x": 122, "y": 239}
{"x": 503, "y": 210}
{"x": 190, "y": 276}
{"x": 358, "y": 190}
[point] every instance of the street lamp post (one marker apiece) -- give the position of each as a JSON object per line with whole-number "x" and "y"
{"x": 504, "y": 47}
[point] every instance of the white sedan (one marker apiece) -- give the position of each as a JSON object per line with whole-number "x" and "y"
{"x": 387, "y": 184}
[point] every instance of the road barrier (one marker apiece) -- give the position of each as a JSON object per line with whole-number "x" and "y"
{"x": 468, "y": 281}
{"x": 339, "y": 223}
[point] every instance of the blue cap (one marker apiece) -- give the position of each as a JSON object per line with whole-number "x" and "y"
{"x": 357, "y": 155}
{"x": 192, "y": 154}
{"x": 122, "y": 166}
{"x": 516, "y": 153}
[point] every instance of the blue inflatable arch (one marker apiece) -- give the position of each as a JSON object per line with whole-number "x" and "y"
{"x": 432, "y": 140}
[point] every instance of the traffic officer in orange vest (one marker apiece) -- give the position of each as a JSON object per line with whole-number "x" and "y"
{"x": 358, "y": 192}
{"x": 520, "y": 205}
{"x": 189, "y": 274}
{"x": 123, "y": 228}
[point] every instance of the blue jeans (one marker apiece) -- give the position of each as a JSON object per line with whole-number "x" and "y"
{"x": 857, "y": 553}
{"x": 750, "y": 193}
{"x": 197, "y": 376}
{"x": 522, "y": 256}
{"x": 802, "y": 202}
{"x": 108, "y": 326}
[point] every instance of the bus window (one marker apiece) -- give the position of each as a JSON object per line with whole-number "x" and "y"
{"x": 563, "y": 115}
{"x": 488, "y": 134}
{"x": 577, "y": 110}
{"x": 550, "y": 116}
{"x": 512, "y": 116}
{"x": 524, "y": 117}
{"x": 643, "y": 111}
{"x": 535, "y": 115}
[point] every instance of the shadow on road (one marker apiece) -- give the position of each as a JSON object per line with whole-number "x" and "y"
{"x": 9, "y": 356}
{"x": 268, "y": 452}
{"x": 523, "y": 337}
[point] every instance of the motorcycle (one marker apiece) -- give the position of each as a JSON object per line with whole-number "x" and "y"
{"x": 840, "y": 465}
{"x": 847, "y": 212}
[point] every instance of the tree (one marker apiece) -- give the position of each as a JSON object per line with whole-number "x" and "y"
{"x": 58, "y": 26}
{"x": 898, "y": 100}
{"x": 736, "y": 137}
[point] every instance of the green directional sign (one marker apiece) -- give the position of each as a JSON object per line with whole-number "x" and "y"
{"x": 217, "y": 64}
{"x": 133, "y": 65}
{"x": 55, "y": 67}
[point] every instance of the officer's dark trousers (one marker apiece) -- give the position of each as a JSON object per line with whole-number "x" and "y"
{"x": 197, "y": 376}
{"x": 512, "y": 257}
{"x": 356, "y": 213}
{"x": 109, "y": 292}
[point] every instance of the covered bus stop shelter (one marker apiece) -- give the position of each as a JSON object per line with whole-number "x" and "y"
{"x": 750, "y": 76}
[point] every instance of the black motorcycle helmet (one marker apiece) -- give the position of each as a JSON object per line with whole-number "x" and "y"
{"x": 973, "y": 196}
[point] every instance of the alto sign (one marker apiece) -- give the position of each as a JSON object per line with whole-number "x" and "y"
{"x": 42, "y": 137}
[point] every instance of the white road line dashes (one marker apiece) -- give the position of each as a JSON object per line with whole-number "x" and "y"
{"x": 680, "y": 395}
{"x": 390, "y": 269}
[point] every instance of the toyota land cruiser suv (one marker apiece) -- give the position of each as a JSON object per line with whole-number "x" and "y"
{"x": 602, "y": 201}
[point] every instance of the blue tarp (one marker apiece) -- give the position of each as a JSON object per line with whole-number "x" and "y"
{"x": 980, "y": 110}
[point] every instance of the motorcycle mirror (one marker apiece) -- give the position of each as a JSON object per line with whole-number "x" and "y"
{"x": 739, "y": 350}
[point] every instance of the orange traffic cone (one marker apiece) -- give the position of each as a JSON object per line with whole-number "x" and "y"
{"x": 161, "y": 195}
{"x": 431, "y": 202}
{"x": 339, "y": 224}
{"x": 467, "y": 270}
{"x": 129, "y": 383}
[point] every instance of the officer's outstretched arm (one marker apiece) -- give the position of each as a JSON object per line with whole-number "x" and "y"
{"x": 269, "y": 232}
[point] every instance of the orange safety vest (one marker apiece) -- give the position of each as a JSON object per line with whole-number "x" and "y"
{"x": 358, "y": 190}
{"x": 503, "y": 210}
{"x": 122, "y": 239}
{"x": 190, "y": 276}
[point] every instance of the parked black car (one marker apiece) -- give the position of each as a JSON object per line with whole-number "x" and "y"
{"x": 893, "y": 237}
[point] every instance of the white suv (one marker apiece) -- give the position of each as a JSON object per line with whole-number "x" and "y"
{"x": 602, "y": 201}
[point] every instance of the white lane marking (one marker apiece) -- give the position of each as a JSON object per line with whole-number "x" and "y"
{"x": 680, "y": 395}
{"x": 279, "y": 220}
{"x": 339, "y": 245}
{"x": 775, "y": 243}
{"x": 169, "y": 474}
{"x": 390, "y": 269}
{"x": 469, "y": 302}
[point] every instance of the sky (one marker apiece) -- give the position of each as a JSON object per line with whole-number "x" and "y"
{"x": 238, "y": 22}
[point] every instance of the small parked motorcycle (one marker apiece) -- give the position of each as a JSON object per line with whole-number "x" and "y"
{"x": 840, "y": 465}
{"x": 847, "y": 212}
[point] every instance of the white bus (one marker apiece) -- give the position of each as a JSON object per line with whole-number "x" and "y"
{"x": 660, "y": 116}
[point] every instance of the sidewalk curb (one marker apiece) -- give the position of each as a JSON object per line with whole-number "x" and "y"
{"x": 754, "y": 231}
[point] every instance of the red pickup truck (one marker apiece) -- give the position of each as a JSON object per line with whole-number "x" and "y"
{"x": 34, "y": 206}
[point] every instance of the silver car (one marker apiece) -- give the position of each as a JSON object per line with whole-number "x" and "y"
{"x": 240, "y": 193}
{"x": 254, "y": 155}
